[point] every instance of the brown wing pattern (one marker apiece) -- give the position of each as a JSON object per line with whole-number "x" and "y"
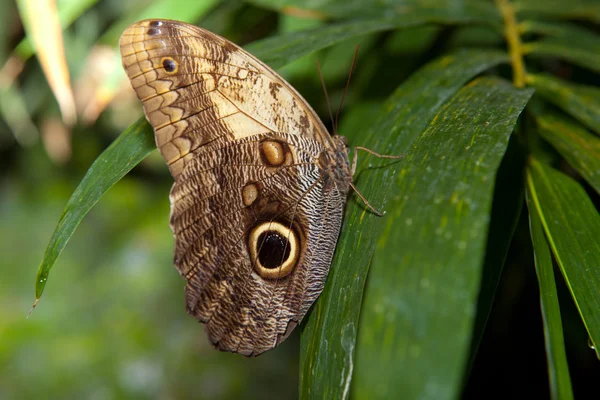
{"x": 243, "y": 311}
{"x": 198, "y": 88}
{"x": 254, "y": 213}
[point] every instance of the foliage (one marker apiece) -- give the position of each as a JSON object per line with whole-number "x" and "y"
{"x": 493, "y": 105}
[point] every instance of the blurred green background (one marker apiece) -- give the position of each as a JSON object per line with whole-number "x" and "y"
{"x": 112, "y": 322}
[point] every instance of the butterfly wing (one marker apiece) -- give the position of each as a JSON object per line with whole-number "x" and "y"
{"x": 255, "y": 214}
{"x": 198, "y": 87}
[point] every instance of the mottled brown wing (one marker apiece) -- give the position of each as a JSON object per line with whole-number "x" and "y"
{"x": 248, "y": 305}
{"x": 198, "y": 88}
{"x": 254, "y": 214}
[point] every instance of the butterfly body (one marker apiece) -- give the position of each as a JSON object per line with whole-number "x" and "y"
{"x": 260, "y": 185}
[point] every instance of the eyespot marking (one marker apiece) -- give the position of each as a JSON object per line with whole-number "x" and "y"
{"x": 169, "y": 65}
{"x": 274, "y": 249}
{"x": 272, "y": 153}
{"x": 250, "y": 193}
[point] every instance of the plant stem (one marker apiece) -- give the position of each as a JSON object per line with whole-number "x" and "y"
{"x": 511, "y": 31}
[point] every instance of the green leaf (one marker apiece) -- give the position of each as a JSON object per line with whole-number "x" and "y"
{"x": 578, "y": 146}
{"x": 572, "y": 227}
{"x": 420, "y": 303}
{"x": 328, "y": 338}
{"x": 564, "y": 32}
{"x": 582, "y": 102}
{"x": 345, "y": 9}
{"x": 578, "y": 53}
{"x": 558, "y": 368}
{"x": 131, "y": 147}
{"x": 572, "y": 9}
{"x": 279, "y": 50}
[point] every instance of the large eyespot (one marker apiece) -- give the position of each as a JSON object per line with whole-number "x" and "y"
{"x": 274, "y": 249}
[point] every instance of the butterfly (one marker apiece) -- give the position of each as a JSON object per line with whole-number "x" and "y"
{"x": 260, "y": 184}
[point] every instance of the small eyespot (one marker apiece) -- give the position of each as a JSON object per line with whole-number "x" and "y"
{"x": 153, "y": 31}
{"x": 250, "y": 194}
{"x": 169, "y": 65}
{"x": 155, "y": 23}
{"x": 272, "y": 152}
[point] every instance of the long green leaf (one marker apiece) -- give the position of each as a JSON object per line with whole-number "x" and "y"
{"x": 484, "y": 12}
{"x": 572, "y": 9}
{"x": 420, "y": 302}
{"x": 562, "y": 31}
{"x": 280, "y": 50}
{"x": 576, "y": 144}
{"x": 578, "y": 53}
{"x": 558, "y": 368}
{"x": 572, "y": 227}
{"x": 328, "y": 339}
{"x": 582, "y": 102}
{"x": 131, "y": 147}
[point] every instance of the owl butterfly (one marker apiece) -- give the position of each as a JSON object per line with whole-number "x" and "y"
{"x": 260, "y": 185}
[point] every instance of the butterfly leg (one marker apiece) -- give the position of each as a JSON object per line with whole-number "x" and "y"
{"x": 353, "y": 170}
{"x": 355, "y": 157}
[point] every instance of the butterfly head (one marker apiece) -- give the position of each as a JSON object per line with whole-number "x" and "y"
{"x": 341, "y": 140}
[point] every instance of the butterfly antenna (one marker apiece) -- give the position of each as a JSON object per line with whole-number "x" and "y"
{"x": 327, "y": 98}
{"x": 337, "y": 115}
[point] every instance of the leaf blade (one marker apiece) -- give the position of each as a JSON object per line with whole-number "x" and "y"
{"x": 577, "y": 53}
{"x": 281, "y": 49}
{"x": 130, "y": 148}
{"x": 574, "y": 9}
{"x": 565, "y": 32}
{"x": 572, "y": 233}
{"x": 419, "y": 305}
{"x": 357, "y": 9}
{"x": 582, "y": 102}
{"x": 578, "y": 146}
{"x": 558, "y": 368}
{"x": 331, "y": 326}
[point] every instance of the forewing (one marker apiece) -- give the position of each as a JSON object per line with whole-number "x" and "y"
{"x": 198, "y": 88}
